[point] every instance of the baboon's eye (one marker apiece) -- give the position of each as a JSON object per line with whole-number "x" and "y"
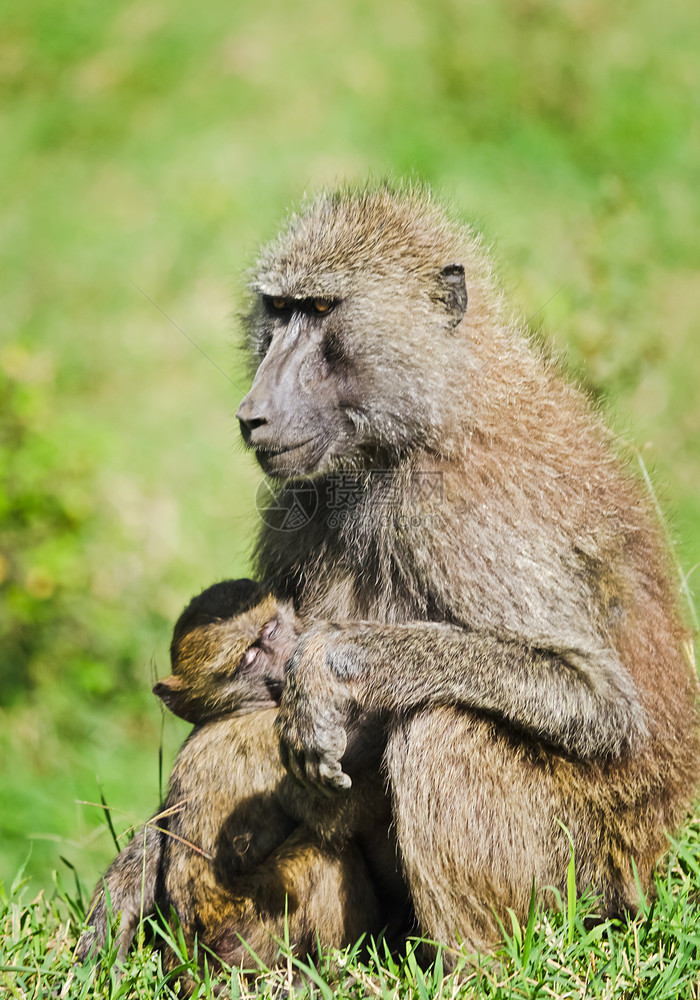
{"x": 322, "y": 305}
{"x": 276, "y": 303}
{"x": 269, "y": 630}
{"x": 249, "y": 656}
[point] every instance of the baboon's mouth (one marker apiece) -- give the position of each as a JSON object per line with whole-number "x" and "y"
{"x": 285, "y": 450}
{"x": 291, "y": 460}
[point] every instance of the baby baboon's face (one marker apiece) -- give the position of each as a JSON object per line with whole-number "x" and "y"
{"x": 235, "y": 664}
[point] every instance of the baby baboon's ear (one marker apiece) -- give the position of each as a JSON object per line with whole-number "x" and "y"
{"x": 174, "y": 696}
{"x": 453, "y": 292}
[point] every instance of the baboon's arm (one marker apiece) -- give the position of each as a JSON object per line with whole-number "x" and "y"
{"x": 582, "y": 701}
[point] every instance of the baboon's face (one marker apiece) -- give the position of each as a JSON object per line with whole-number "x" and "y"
{"x": 234, "y": 665}
{"x": 268, "y": 636}
{"x": 298, "y": 413}
{"x": 349, "y": 312}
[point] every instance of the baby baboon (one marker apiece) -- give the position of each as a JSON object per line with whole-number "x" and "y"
{"x": 502, "y": 587}
{"x": 237, "y": 844}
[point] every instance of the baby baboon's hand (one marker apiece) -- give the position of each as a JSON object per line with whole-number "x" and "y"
{"x": 312, "y": 715}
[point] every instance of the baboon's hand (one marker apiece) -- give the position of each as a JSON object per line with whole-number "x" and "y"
{"x": 311, "y": 719}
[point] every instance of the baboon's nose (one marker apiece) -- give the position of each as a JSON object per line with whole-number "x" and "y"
{"x": 250, "y": 417}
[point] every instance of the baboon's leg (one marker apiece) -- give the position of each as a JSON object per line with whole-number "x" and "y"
{"x": 127, "y": 891}
{"x": 476, "y": 812}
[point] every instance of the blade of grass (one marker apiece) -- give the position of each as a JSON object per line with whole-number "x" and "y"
{"x": 570, "y": 887}
{"x": 108, "y": 818}
{"x": 530, "y": 929}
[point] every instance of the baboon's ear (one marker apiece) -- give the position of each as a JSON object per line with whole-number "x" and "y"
{"x": 453, "y": 292}
{"x": 173, "y": 694}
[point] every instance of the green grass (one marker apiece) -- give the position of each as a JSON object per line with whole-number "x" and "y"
{"x": 561, "y": 953}
{"x": 146, "y": 149}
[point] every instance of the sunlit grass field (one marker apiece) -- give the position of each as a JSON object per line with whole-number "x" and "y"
{"x": 146, "y": 149}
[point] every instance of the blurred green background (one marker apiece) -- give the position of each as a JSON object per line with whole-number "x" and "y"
{"x": 146, "y": 148}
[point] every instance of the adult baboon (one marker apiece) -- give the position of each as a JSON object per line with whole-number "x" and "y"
{"x": 238, "y": 847}
{"x": 481, "y": 568}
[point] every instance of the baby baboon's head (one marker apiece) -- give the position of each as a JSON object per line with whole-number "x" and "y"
{"x": 229, "y": 649}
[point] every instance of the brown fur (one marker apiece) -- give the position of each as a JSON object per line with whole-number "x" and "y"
{"x": 238, "y": 846}
{"x": 520, "y": 629}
